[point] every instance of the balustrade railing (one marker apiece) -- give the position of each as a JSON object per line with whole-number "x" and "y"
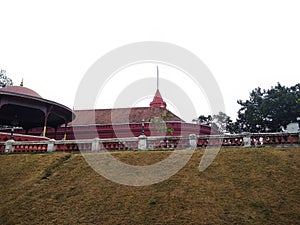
{"x": 152, "y": 143}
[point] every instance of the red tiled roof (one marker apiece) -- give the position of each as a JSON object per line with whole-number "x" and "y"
{"x": 20, "y": 90}
{"x": 120, "y": 115}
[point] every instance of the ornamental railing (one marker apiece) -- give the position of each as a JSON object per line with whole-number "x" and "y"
{"x": 153, "y": 143}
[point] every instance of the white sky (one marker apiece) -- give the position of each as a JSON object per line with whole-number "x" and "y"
{"x": 245, "y": 44}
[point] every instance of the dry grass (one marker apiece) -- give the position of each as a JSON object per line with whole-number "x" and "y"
{"x": 242, "y": 186}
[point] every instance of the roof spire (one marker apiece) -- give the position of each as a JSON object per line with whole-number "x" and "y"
{"x": 158, "y": 100}
{"x": 22, "y": 83}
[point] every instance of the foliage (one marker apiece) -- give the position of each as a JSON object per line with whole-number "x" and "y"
{"x": 269, "y": 110}
{"x": 265, "y": 111}
{"x": 220, "y": 122}
{"x": 4, "y": 80}
{"x": 204, "y": 120}
{"x": 160, "y": 123}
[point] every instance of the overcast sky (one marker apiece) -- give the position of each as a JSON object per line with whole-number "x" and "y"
{"x": 245, "y": 44}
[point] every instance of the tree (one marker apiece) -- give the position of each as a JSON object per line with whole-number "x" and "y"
{"x": 269, "y": 110}
{"x": 4, "y": 80}
{"x": 203, "y": 120}
{"x": 250, "y": 116}
{"x": 220, "y": 122}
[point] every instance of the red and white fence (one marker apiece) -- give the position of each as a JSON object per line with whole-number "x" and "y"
{"x": 152, "y": 143}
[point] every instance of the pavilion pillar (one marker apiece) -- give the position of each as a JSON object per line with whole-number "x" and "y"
{"x": 65, "y": 134}
{"x": 45, "y": 126}
{"x": 46, "y": 119}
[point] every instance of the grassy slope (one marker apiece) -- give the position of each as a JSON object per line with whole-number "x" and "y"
{"x": 242, "y": 186}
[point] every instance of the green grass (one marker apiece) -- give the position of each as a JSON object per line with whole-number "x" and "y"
{"x": 242, "y": 186}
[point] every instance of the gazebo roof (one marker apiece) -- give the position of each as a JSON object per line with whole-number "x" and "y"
{"x": 20, "y": 90}
{"x": 21, "y": 106}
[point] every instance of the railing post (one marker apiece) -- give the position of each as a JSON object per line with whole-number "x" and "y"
{"x": 193, "y": 141}
{"x": 142, "y": 142}
{"x": 51, "y": 145}
{"x": 9, "y": 146}
{"x": 247, "y": 140}
{"x": 95, "y": 144}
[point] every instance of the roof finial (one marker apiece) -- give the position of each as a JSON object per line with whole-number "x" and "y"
{"x": 22, "y": 83}
{"x": 157, "y": 77}
{"x": 158, "y": 100}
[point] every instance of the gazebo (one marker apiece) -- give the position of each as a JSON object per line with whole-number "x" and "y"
{"x": 23, "y": 107}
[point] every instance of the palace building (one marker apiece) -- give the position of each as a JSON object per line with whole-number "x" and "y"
{"x": 33, "y": 115}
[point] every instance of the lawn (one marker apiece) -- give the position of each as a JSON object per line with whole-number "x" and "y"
{"x": 241, "y": 186}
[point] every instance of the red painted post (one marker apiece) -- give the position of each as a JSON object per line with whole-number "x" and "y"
{"x": 276, "y": 140}
{"x": 232, "y": 142}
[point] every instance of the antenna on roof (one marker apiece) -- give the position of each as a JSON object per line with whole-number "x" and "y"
{"x": 157, "y": 77}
